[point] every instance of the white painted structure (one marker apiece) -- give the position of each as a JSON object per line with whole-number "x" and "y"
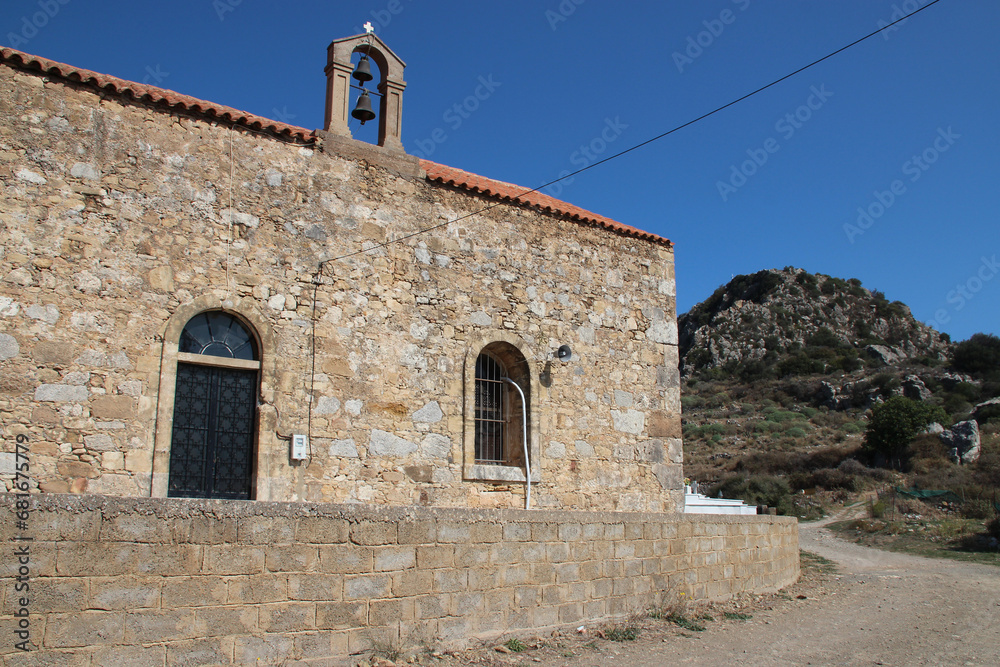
{"x": 697, "y": 503}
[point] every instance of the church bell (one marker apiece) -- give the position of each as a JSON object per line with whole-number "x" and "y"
{"x": 363, "y": 109}
{"x": 363, "y": 71}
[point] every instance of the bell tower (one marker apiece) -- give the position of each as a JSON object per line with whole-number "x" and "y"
{"x": 390, "y": 88}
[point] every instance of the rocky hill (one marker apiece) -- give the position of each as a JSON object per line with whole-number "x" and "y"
{"x": 781, "y": 369}
{"x": 776, "y": 323}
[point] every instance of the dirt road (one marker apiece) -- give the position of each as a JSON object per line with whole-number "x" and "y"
{"x": 880, "y": 608}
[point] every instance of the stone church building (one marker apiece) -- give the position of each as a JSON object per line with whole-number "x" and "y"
{"x": 460, "y": 398}
{"x": 197, "y": 302}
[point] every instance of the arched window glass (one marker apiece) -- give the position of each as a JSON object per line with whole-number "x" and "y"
{"x": 500, "y": 413}
{"x": 218, "y": 334}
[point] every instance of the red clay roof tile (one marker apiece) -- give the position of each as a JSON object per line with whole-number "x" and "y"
{"x": 155, "y": 95}
{"x": 508, "y": 192}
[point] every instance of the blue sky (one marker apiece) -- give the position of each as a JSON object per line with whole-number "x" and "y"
{"x": 880, "y": 163}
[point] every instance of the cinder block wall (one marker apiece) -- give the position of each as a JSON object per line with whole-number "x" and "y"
{"x": 165, "y": 581}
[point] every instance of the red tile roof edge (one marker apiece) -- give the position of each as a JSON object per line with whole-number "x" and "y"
{"x": 439, "y": 173}
{"x": 155, "y": 95}
{"x": 508, "y": 192}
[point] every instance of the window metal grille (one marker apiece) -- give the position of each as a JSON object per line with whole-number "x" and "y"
{"x": 491, "y": 412}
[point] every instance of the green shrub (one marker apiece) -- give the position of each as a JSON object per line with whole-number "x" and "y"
{"x": 758, "y": 490}
{"x": 895, "y": 423}
{"x": 877, "y": 509}
{"x": 795, "y": 432}
{"x": 977, "y": 508}
{"x": 979, "y": 355}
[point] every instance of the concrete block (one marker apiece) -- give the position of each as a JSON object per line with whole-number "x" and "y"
{"x": 557, "y": 552}
{"x": 266, "y": 650}
{"x": 121, "y": 558}
{"x": 485, "y": 533}
{"x": 435, "y": 557}
{"x": 233, "y": 559}
{"x": 286, "y": 617}
{"x": 125, "y": 593}
{"x": 367, "y": 586}
{"x": 198, "y": 652}
{"x": 291, "y": 558}
{"x": 417, "y": 532}
{"x": 516, "y": 574}
{"x": 412, "y": 582}
{"x": 52, "y": 594}
{"x": 156, "y": 625}
{"x": 204, "y": 530}
{"x": 516, "y": 532}
{"x": 451, "y": 532}
{"x": 257, "y": 589}
{"x": 388, "y": 559}
{"x": 84, "y": 629}
{"x": 390, "y": 612}
{"x": 545, "y": 532}
{"x": 373, "y": 533}
{"x": 450, "y": 581}
{"x": 227, "y": 620}
{"x": 321, "y": 530}
{"x": 484, "y": 578}
{"x": 506, "y": 553}
{"x": 265, "y": 530}
{"x": 346, "y": 559}
{"x": 192, "y": 592}
{"x": 137, "y": 656}
{"x": 341, "y": 615}
{"x": 315, "y": 586}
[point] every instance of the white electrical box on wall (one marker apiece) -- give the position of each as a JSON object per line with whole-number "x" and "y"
{"x": 300, "y": 447}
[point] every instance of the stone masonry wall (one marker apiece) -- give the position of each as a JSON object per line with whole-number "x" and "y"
{"x": 120, "y": 221}
{"x": 165, "y": 581}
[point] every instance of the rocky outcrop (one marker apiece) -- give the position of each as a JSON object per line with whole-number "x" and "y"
{"x": 963, "y": 441}
{"x": 986, "y": 409}
{"x": 772, "y": 315}
{"x": 913, "y": 387}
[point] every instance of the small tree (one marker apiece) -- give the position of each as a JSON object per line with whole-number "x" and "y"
{"x": 979, "y": 355}
{"x": 895, "y": 423}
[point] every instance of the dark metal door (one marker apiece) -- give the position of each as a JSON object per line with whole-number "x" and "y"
{"x": 211, "y": 451}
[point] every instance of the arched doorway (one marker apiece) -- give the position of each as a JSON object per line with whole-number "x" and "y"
{"x": 215, "y": 409}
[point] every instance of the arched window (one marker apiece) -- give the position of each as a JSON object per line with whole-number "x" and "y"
{"x": 215, "y": 409}
{"x": 501, "y": 414}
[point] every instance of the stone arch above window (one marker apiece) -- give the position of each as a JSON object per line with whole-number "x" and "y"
{"x": 495, "y": 414}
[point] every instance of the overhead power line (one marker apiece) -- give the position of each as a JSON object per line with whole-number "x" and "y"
{"x": 631, "y": 148}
